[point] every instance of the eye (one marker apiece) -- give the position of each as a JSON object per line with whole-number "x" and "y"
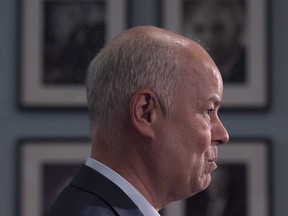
{"x": 210, "y": 111}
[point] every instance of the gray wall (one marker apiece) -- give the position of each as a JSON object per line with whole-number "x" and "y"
{"x": 16, "y": 123}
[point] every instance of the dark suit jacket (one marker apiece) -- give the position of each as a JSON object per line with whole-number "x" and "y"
{"x": 91, "y": 194}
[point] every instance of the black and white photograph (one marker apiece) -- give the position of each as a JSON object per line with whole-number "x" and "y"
{"x": 220, "y": 27}
{"x": 58, "y": 40}
{"x": 234, "y": 33}
{"x": 74, "y": 33}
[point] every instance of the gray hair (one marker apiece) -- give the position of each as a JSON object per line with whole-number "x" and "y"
{"x": 123, "y": 66}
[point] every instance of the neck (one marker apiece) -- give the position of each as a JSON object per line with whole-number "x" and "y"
{"x": 134, "y": 167}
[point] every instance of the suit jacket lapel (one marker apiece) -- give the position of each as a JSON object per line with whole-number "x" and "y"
{"x": 94, "y": 182}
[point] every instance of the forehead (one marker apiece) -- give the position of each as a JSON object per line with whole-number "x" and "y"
{"x": 200, "y": 76}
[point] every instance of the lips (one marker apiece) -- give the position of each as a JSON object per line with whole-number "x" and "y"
{"x": 213, "y": 165}
{"x": 211, "y": 158}
{"x": 210, "y": 166}
{"x": 212, "y": 154}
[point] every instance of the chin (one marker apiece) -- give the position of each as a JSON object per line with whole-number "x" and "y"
{"x": 198, "y": 187}
{"x": 203, "y": 185}
{"x": 206, "y": 183}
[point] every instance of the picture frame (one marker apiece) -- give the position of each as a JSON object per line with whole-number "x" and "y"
{"x": 235, "y": 33}
{"x": 241, "y": 185}
{"x": 40, "y": 158}
{"x": 58, "y": 39}
{"x": 246, "y": 163}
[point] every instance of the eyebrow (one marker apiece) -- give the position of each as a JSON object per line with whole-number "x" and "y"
{"x": 215, "y": 100}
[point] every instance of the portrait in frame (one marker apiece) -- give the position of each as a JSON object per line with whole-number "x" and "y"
{"x": 240, "y": 185}
{"x": 234, "y": 32}
{"x": 58, "y": 40}
{"x": 45, "y": 167}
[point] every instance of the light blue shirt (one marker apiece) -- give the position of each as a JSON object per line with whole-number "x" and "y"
{"x": 140, "y": 201}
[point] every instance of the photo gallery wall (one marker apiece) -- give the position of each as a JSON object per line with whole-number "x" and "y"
{"x": 58, "y": 40}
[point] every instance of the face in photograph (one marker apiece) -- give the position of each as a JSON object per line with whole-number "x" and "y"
{"x": 74, "y": 33}
{"x": 219, "y": 26}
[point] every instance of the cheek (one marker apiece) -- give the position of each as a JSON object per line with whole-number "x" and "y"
{"x": 196, "y": 177}
{"x": 190, "y": 139}
{"x": 201, "y": 141}
{"x": 196, "y": 129}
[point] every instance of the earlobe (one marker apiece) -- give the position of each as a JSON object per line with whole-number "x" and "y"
{"x": 143, "y": 111}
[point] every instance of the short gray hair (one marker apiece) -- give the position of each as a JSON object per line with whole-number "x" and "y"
{"x": 122, "y": 67}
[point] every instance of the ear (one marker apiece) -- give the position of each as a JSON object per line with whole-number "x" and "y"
{"x": 144, "y": 112}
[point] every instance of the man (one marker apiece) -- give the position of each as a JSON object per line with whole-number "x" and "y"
{"x": 153, "y": 98}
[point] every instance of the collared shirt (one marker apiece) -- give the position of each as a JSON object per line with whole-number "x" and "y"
{"x": 140, "y": 201}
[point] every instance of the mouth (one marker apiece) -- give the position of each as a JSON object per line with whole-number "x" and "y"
{"x": 211, "y": 158}
{"x": 211, "y": 164}
{"x": 214, "y": 159}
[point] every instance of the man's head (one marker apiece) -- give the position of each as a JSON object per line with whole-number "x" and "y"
{"x": 142, "y": 57}
{"x": 153, "y": 98}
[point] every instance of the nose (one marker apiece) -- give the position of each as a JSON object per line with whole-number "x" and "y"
{"x": 219, "y": 133}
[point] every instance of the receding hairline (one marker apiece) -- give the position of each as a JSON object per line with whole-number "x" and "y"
{"x": 181, "y": 43}
{"x": 190, "y": 50}
{"x": 157, "y": 34}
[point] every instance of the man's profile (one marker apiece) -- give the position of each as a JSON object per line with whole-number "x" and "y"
{"x": 153, "y": 99}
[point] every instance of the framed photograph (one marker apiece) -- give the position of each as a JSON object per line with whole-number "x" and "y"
{"x": 240, "y": 185}
{"x": 58, "y": 40}
{"x": 45, "y": 168}
{"x": 234, "y": 33}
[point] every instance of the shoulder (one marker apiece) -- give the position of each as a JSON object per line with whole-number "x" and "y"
{"x": 75, "y": 202}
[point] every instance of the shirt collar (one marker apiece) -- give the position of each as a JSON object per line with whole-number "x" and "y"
{"x": 144, "y": 206}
